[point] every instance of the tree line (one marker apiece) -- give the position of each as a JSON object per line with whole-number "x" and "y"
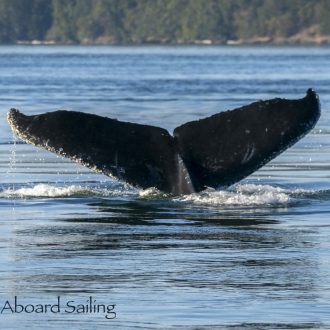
{"x": 167, "y": 21}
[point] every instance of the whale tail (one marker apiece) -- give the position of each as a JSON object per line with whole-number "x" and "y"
{"x": 215, "y": 151}
{"x": 226, "y": 147}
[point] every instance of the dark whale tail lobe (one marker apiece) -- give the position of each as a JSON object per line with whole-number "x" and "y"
{"x": 226, "y": 147}
{"x": 212, "y": 152}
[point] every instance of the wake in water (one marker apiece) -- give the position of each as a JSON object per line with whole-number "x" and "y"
{"x": 243, "y": 195}
{"x": 238, "y": 195}
{"x": 43, "y": 190}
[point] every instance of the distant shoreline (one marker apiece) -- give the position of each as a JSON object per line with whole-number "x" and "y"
{"x": 278, "y": 41}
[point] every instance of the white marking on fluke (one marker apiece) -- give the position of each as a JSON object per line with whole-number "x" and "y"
{"x": 248, "y": 154}
{"x": 184, "y": 184}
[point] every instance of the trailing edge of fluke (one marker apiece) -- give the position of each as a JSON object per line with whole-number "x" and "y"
{"x": 216, "y": 151}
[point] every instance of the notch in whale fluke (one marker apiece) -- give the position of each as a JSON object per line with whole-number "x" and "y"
{"x": 215, "y": 151}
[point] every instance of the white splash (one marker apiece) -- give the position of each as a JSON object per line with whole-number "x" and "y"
{"x": 52, "y": 191}
{"x": 43, "y": 190}
{"x": 151, "y": 192}
{"x": 242, "y": 195}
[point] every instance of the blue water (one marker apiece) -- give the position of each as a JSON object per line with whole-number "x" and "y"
{"x": 254, "y": 256}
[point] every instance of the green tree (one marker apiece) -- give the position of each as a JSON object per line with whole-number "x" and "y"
{"x": 125, "y": 21}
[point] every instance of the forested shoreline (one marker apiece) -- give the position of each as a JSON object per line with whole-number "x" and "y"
{"x": 164, "y": 21}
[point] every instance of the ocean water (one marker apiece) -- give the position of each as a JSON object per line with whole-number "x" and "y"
{"x": 253, "y": 256}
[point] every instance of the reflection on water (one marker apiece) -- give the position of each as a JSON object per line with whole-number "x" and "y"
{"x": 245, "y": 253}
{"x": 137, "y": 249}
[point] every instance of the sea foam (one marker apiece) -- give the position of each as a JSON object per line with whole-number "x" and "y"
{"x": 242, "y": 195}
{"x": 43, "y": 190}
{"x": 237, "y": 195}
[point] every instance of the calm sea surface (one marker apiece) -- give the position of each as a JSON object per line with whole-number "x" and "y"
{"x": 254, "y": 256}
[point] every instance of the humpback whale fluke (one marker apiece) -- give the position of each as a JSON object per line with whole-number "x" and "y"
{"x": 215, "y": 151}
